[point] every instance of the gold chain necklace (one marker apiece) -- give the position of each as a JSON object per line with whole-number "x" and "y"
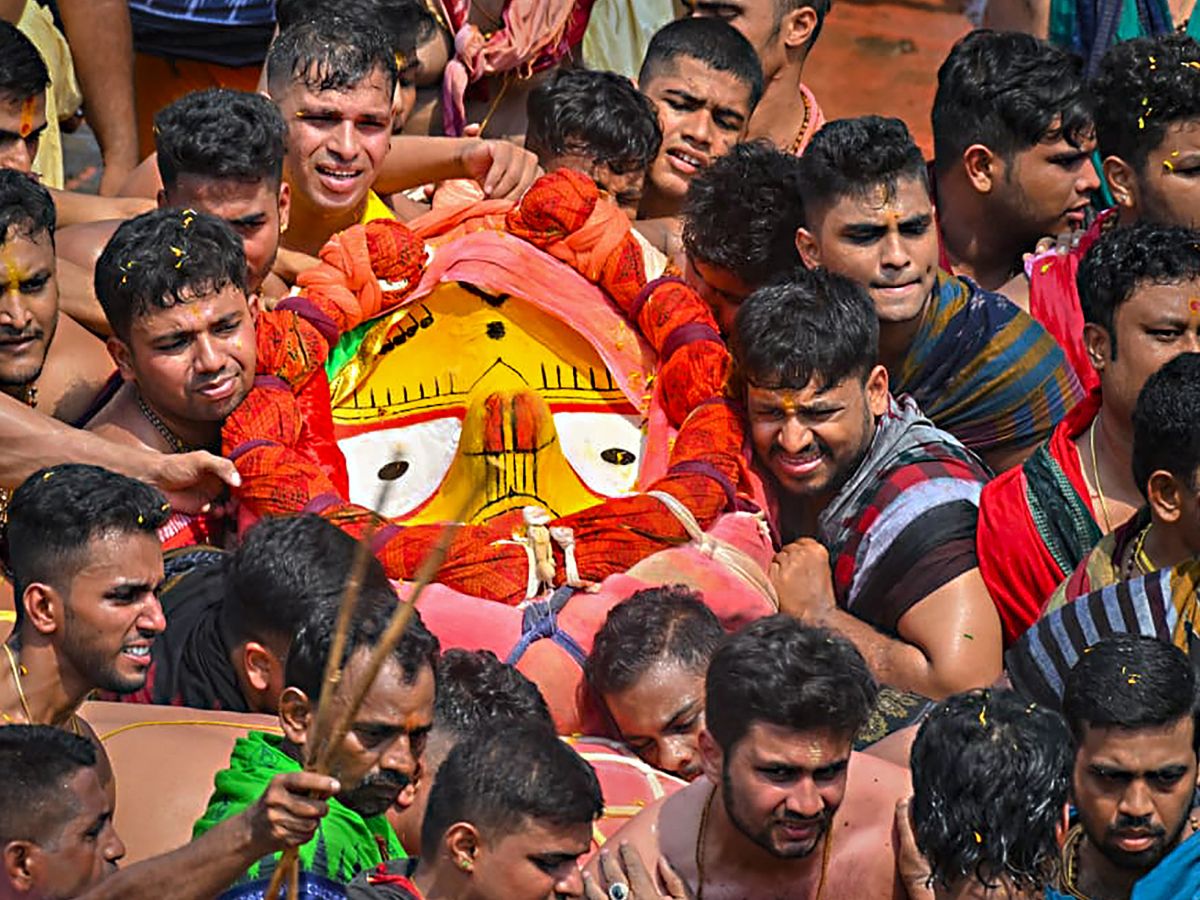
{"x": 1070, "y": 863}
{"x": 795, "y": 148}
{"x": 708, "y": 805}
{"x": 17, "y": 671}
{"x": 1096, "y": 471}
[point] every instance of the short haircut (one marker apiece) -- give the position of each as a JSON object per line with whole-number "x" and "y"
{"x": 991, "y": 773}
{"x": 330, "y": 53}
{"x": 499, "y": 780}
{"x": 783, "y": 673}
{"x": 477, "y": 692}
{"x": 813, "y": 325}
{"x": 220, "y": 133}
{"x": 163, "y": 258}
{"x": 741, "y": 213}
{"x": 57, "y": 511}
{"x": 285, "y": 571}
{"x": 715, "y": 43}
{"x": 305, "y": 666}
{"x": 1144, "y": 86}
{"x": 1126, "y": 258}
{"x": 23, "y": 72}
{"x": 1007, "y": 91}
{"x": 1166, "y": 423}
{"x": 26, "y": 208}
{"x": 37, "y": 761}
{"x": 407, "y": 23}
{"x": 1130, "y": 682}
{"x": 669, "y": 623}
{"x": 599, "y": 115}
{"x": 853, "y": 157}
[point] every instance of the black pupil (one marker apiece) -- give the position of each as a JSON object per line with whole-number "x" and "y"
{"x": 618, "y": 456}
{"x": 393, "y": 470}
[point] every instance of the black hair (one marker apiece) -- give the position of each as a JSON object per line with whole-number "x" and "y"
{"x": 741, "y": 213}
{"x": 715, "y": 43}
{"x": 288, "y": 569}
{"x": 852, "y": 157}
{"x": 668, "y": 622}
{"x": 991, "y": 773}
{"x": 476, "y": 692}
{"x": 26, "y": 208}
{"x": 778, "y": 671}
{"x": 220, "y": 133}
{"x": 305, "y": 666}
{"x": 407, "y": 23}
{"x": 1123, "y": 259}
{"x": 330, "y": 53}
{"x": 1131, "y": 682}
{"x": 23, "y": 72}
{"x": 1142, "y": 87}
{"x": 165, "y": 257}
{"x": 57, "y": 511}
{"x": 500, "y": 779}
{"x": 1166, "y": 423}
{"x": 1007, "y": 91}
{"x": 813, "y": 324}
{"x": 599, "y": 115}
{"x": 37, "y": 761}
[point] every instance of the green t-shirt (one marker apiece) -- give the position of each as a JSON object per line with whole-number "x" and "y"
{"x": 345, "y": 842}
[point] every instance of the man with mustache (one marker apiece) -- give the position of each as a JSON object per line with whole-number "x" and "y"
{"x": 379, "y": 756}
{"x": 785, "y": 808}
{"x": 1130, "y": 703}
{"x": 975, "y": 364}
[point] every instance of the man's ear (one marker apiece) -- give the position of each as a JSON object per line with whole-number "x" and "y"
{"x": 1122, "y": 181}
{"x": 877, "y": 391}
{"x": 295, "y": 715}
{"x": 462, "y": 843}
{"x": 20, "y": 864}
{"x": 1164, "y": 496}
{"x": 260, "y": 665}
{"x": 712, "y": 757}
{"x": 1098, "y": 343}
{"x": 1063, "y": 825}
{"x": 121, "y": 355}
{"x": 797, "y": 27}
{"x": 983, "y": 168}
{"x": 162, "y": 199}
{"x": 43, "y": 607}
{"x": 285, "y": 206}
{"x": 808, "y": 248}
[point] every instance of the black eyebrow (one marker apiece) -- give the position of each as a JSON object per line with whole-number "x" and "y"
{"x": 864, "y": 230}
{"x": 251, "y": 219}
{"x": 6, "y": 135}
{"x": 682, "y": 713}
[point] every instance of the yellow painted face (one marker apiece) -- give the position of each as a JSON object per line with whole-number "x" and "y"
{"x": 482, "y": 401}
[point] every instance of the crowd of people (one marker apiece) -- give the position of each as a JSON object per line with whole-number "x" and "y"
{"x": 958, "y": 398}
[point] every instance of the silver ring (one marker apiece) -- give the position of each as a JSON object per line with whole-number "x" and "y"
{"x": 618, "y": 891}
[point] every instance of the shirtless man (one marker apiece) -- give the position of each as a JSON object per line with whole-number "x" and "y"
{"x": 47, "y": 361}
{"x": 785, "y": 809}
{"x": 705, "y": 79}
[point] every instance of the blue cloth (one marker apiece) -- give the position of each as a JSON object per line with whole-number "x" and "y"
{"x": 232, "y": 33}
{"x": 1176, "y": 877}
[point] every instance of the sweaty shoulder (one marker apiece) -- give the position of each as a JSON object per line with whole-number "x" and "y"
{"x": 667, "y": 828}
{"x": 874, "y": 786}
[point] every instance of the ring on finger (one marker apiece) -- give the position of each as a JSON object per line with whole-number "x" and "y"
{"x": 618, "y": 891}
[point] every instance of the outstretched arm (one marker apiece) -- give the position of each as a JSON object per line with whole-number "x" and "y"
{"x": 287, "y": 815}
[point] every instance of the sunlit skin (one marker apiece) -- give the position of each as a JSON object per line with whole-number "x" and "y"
{"x": 84, "y": 852}
{"x": 256, "y": 210}
{"x": 28, "y": 308}
{"x": 192, "y": 362}
{"x": 1047, "y": 189}
{"x": 1167, "y": 188}
{"x": 1132, "y": 789}
{"x": 336, "y": 142}
{"x": 381, "y": 753}
{"x": 537, "y": 861}
{"x": 407, "y": 814}
{"x": 723, "y": 291}
{"x": 661, "y": 716}
{"x": 703, "y": 113}
{"x": 811, "y": 440}
{"x": 755, "y": 20}
{"x": 22, "y": 124}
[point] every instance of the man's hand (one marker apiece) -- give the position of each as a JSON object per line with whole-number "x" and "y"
{"x": 290, "y": 809}
{"x": 192, "y": 481}
{"x": 910, "y": 864}
{"x": 625, "y": 867}
{"x": 503, "y": 170}
{"x": 803, "y": 581}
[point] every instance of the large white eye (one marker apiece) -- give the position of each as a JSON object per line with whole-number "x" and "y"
{"x": 604, "y": 449}
{"x": 413, "y": 459}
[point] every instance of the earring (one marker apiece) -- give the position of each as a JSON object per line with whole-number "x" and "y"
{"x": 465, "y": 865}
